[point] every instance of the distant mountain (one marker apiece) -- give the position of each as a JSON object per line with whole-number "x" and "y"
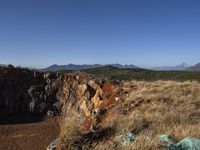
{"x": 3, "y": 65}
{"x": 74, "y": 67}
{"x": 194, "y": 68}
{"x": 182, "y": 66}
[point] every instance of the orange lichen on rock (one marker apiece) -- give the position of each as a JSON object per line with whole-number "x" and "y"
{"x": 96, "y": 101}
{"x": 86, "y": 126}
{"x": 106, "y": 103}
{"x": 107, "y": 89}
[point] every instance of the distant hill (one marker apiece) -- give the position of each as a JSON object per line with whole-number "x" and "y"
{"x": 182, "y": 66}
{"x": 3, "y": 65}
{"x": 194, "y": 68}
{"x": 114, "y": 73}
{"x": 74, "y": 67}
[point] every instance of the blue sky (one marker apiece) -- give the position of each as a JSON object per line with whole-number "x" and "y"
{"x": 38, "y": 33}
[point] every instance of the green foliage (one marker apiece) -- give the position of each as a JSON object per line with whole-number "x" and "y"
{"x": 11, "y": 66}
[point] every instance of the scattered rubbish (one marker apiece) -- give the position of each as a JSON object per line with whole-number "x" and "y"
{"x": 93, "y": 129}
{"x": 127, "y": 138}
{"x": 117, "y": 98}
{"x": 166, "y": 140}
{"x": 54, "y": 144}
{"x": 50, "y": 113}
{"x": 189, "y": 143}
{"x": 138, "y": 102}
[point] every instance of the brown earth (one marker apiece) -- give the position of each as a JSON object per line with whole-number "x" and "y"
{"x": 29, "y": 135}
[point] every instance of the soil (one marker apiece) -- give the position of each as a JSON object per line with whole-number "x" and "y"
{"x": 27, "y": 134}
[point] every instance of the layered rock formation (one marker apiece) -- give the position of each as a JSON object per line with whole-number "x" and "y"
{"x": 23, "y": 91}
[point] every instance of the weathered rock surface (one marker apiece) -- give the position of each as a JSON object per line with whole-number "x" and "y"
{"x": 26, "y": 92}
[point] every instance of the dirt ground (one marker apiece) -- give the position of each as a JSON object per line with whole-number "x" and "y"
{"x": 26, "y": 134}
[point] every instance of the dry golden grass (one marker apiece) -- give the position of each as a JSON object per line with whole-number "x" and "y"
{"x": 169, "y": 108}
{"x": 69, "y": 127}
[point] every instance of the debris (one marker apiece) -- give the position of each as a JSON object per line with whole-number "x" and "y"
{"x": 50, "y": 113}
{"x": 93, "y": 129}
{"x": 189, "y": 143}
{"x": 138, "y": 102}
{"x": 166, "y": 140}
{"x": 127, "y": 138}
{"x": 54, "y": 144}
{"x": 57, "y": 106}
{"x": 117, "y": 98}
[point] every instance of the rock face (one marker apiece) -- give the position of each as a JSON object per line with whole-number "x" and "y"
{"x": 23, "y": 91}
{"x": 26, "y": 92}
{"x": 14, "y": 86}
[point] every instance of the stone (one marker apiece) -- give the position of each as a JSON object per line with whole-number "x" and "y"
{"x": 97, "y": 99}
{"x": 42, "y": 106}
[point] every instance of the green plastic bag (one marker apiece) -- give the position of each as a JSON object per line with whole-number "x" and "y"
{"x": 189, "y": 143}
{"x": 127, "y": 138}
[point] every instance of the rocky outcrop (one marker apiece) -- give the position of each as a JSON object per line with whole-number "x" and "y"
{"x": 17, "y": 91}
{"x": 26, "y": 92}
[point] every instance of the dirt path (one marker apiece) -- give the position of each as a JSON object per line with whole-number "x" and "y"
{"x": 28, "y": 136}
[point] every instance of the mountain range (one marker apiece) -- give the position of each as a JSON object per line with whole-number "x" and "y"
{"x": 183, "y": 66}
{"x": 73, "y": 67}
{"x": 194, "y": 68}
{"x": 3, "y": 65}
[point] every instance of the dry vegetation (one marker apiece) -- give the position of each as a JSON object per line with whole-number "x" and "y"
{"x": 168, "y": 107}
{"x": 69, "y": 127}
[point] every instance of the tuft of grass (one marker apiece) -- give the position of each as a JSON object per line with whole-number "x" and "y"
{"x": 69, "y": 127}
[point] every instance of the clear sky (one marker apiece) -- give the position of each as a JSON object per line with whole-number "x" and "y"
{"x": 38, "y": 33}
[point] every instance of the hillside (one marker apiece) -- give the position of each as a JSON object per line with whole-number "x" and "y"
{"x": 143, "y": 74}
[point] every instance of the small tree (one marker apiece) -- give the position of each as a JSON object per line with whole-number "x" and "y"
{"x": 11, "y": 66}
